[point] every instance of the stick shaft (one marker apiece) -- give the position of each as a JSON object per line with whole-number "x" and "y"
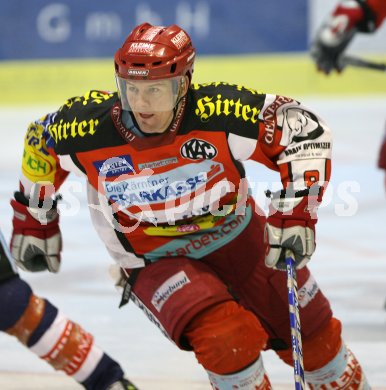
{"x": 361, "y": 63}
{"x": 296, "y": 339}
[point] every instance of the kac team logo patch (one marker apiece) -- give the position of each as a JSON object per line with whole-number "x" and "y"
{"x": 114, "y": 166}
{"x": 198, "y": 149}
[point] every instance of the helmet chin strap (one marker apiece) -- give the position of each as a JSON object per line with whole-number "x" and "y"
{"x": 177, "y": 107}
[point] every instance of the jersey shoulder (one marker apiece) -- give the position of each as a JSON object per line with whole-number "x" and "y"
{"x": 226, "y": 89}
{"x": 93, "y": 99}
{"x": 228, "y": 105}
{"x": 79, "y": 123}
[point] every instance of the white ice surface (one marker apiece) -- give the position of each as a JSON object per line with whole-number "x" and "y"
{"x": 349, "y": 264}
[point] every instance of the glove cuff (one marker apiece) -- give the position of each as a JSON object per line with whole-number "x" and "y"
{"x": 44, "y": 212}
{"x": 299, "y": 204}
{"x": 41, "y": 204}
{"x": 288, "y": 193}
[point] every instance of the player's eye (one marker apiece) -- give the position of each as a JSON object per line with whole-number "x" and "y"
{"x": 132, "y": 89}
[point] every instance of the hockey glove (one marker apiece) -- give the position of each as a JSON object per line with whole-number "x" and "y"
{"x": 291, "y": 225}
{"x": 36, "y": 240}
{"x": 336, "y": 33}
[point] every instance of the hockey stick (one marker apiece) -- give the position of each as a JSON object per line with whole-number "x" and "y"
{"x": 361, "y": 63}
{"x": 296, "y": 338}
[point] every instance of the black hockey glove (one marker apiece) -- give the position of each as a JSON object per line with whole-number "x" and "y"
{"x": 336, "y": 33}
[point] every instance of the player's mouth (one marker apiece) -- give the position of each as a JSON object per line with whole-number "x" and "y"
{"x": 144, "y": 115}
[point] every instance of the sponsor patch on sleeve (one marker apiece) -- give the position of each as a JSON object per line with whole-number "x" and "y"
{"x": 37, "y": 164}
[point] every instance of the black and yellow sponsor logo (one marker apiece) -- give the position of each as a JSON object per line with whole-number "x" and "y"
{"x": 37, "y": 163}
{"x": 219, "y": 83}
{"x": 219, "y": 105}
{"x": 63, "y": 130}
{"x": 209, "y": 106}
{"x": 91, "y": 97}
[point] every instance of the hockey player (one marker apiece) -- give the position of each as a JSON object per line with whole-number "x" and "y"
{"x": 163, "y": 161}
{"x": 48, "y": 333}
{"x": 348, "y": 18}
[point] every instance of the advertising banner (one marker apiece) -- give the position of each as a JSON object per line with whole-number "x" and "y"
{"x": 73, "y": 28}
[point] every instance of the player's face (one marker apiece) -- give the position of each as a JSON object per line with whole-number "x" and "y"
{"x": 151, "y": 101}
{"x": 153, "y": 121}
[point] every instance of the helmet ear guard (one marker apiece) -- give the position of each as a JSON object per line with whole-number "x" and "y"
{"x": 181, "y": 87}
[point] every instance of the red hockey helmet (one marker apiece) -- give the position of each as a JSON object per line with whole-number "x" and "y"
{"x": 155, "y": 52}
{"x": 151, "y": 68}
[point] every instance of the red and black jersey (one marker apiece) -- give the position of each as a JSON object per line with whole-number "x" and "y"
{"x": 378, "y": 8}
{"x": 182, "y": 192}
